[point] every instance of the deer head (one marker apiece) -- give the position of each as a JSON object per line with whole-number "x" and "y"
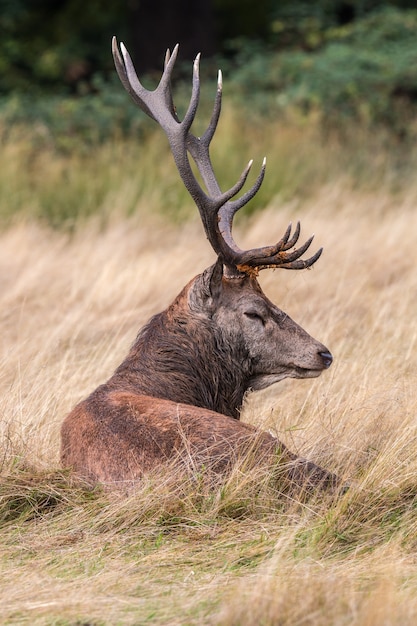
{"x": 267, "y": 344}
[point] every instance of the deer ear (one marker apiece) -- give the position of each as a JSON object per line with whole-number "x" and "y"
{"x": 206, "y": 289}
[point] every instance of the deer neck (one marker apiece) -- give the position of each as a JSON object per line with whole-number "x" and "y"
{"x": 180, "y": 358}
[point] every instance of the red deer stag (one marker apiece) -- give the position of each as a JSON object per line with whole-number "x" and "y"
{"x": 178, "y": 393}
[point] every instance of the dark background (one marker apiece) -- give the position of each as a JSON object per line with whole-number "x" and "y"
{"x": 62, "y": 44}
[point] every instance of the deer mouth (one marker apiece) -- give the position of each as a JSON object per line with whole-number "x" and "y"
{"x": 262, "y": 381}
{"x": 301, "y": 372}
{"x": 305, "y": 372}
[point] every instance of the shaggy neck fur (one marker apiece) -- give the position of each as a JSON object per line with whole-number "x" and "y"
{"x": 184, "y": 357}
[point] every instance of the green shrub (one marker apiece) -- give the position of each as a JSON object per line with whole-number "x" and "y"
{"x": 69, "y": 122}
{"x": 365, "y": 71}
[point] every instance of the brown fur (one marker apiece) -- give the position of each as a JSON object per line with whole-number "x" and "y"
{"x": 178, "y": 393}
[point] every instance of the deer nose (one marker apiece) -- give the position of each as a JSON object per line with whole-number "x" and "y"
{"x": 326, "y": 358}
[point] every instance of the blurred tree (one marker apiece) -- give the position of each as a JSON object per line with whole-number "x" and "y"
{"x": 242, "y": 20}
{"x": 156, "y": 26}
{"x": 302, "y": 23}
{"x": 53, "y": 44}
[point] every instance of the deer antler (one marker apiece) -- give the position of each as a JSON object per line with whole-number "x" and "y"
{"x": 217, "y": 209}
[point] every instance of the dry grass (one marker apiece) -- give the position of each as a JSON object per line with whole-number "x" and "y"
{"x": 173, "y": 554}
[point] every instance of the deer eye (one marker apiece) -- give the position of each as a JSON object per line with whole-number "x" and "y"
{"x": 254, "y": 315}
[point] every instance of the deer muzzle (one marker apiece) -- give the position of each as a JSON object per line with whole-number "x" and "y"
{"x": 327, "y": 359}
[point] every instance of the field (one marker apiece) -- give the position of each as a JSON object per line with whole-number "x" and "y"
{"x": 71, "y": 303}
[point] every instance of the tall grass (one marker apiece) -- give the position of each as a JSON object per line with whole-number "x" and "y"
{"x": 71, "y": 303}
{"x": 39, "y": 179}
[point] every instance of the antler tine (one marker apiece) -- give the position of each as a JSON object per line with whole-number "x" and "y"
{"x": 211, "y": 128}
{"x": 291, "y": 242}
{"x": 150, "y": 101}
{"x": 195, "y": 96}
{"x": 199, "y": 148}
{"x": 167, "y": 57}
{"x": 134, "y": 90}
{"x": 121, "y": 70}
{"x": 285, "y": 243}
{"x": 228, "y": 211}
{"x": 301, "y": 264}
{"x": 171, "y": 101}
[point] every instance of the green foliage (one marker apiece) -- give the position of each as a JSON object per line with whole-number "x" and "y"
{"x": 71, "y": 123}
{"x": 365, "y": 71}
{"x": 47, "y": 44}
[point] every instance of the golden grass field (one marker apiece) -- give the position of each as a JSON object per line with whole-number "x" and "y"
{"x": 71, "y": 305}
